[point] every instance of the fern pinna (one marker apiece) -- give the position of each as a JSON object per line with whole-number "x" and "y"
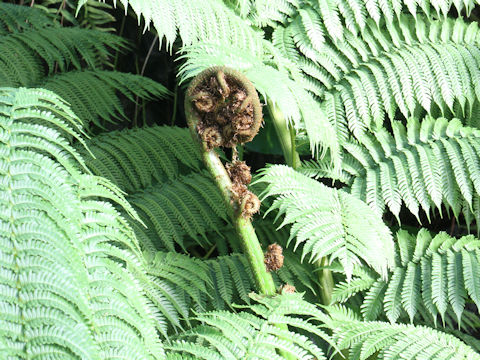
{"x": 71, "y": 61}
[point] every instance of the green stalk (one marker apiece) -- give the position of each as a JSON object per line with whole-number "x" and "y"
{"x": 287, "y": 141}
{"x": 243, "y": 226}
{"x": 286, "y": 135}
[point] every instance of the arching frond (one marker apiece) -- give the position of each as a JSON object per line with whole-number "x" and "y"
{"x": 65, "y": 290}
{"x": 191, "y": 205}
{"x": 327, "y": 221}
{"x": 94, "y": 95}
{"x": 193, "y": 21}
{"x": 134, "y": 159}
{"x": 14, "y": 18}
{"x": 392, "y": 341}
{"x": 433, "y": 275}
{"x": 25, "y": 54}
{"x": 39, "y": 52}
{"x": 424, "y": 165}
{"x": 226, "y": 335}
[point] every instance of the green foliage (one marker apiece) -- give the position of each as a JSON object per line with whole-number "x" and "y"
{"x": 385, "y": 91}
{"x": 193, "y": 21}
{"x": 65, "y": 290}
{"x": 392, "y": 341}
{"x": 432, "y": 276}
{"x": 423, "y": 165}
{"x": 226, "y": 335}
{"x": 44, "y": 54}
{"x": 328, "y": 222}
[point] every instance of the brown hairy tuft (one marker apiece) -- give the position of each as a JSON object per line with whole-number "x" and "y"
{"x": 273, "y": 257}
{"x": 226, "y": 99}
{"x": 287, "y": 289}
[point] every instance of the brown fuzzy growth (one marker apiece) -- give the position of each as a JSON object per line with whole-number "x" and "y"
{"x": 225, "y": 99}
{"x": 239, "y": 172}
{"x": 287, "y": 289}
{"x": 211, "y": 136}
{"x": 273, "y": 257}
{"x": 250, "y": 205}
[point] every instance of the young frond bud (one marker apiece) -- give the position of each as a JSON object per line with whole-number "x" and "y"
{"x": 225, "y": 98}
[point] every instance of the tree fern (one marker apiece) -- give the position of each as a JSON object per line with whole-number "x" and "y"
{"x": 65, "y": 291}
{"x": 326, "y": 221}
{"x": 424, "y": 165}
{"x": 392, "y": 341}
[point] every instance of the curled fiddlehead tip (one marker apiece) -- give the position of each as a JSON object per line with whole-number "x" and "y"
{"x": 225, "y": 99}
{"x": 273, "y": 257}
{"x": 250, "y": 204}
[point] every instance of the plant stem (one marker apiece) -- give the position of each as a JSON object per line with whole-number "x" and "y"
{"x": 283, "y": 133}
{"x": 286, "y": 135}
{"x": 244, "y": 228}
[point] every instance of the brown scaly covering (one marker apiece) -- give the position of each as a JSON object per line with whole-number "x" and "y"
{"x": 273, "y": 257}
{"x": 226, "y": 101}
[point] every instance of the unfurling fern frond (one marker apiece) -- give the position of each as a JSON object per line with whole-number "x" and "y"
{"x": 395, "y": 342}
{"x": 225, "y": 335}
{"x": 68, "y": 284}
{"x": 329, "y": 221}
{"x": 424, "y": 165}
{"x": 432, "y": 276}
{"x": 295, "y": 103}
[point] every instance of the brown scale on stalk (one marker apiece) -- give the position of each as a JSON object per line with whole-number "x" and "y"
{"x": 273, "y": 257}
{"x": 287, "y": 289}
{"x": 225, "y": 102}
{"x": 239, "y": 173}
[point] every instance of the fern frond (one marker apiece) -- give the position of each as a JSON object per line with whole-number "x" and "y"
{"x": 134, "y": 159}
{"x": 433, "y": 276}
{"x": 193, "y": 21}
{"x": 424, "y": 165}
{"x": 392, "y": 341}
{"x": 94, "y": 95}
{"x": 93, "y": 15}
{"x": 14, "y": 18}
{"x": 65, "y": 287}
{"x": 226, "y": 335}
{"x": 24, "y": 53}
{"x": 327, "y": 222}
{"x": 191, "y": 205}
{"x": 263, "y": 13}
